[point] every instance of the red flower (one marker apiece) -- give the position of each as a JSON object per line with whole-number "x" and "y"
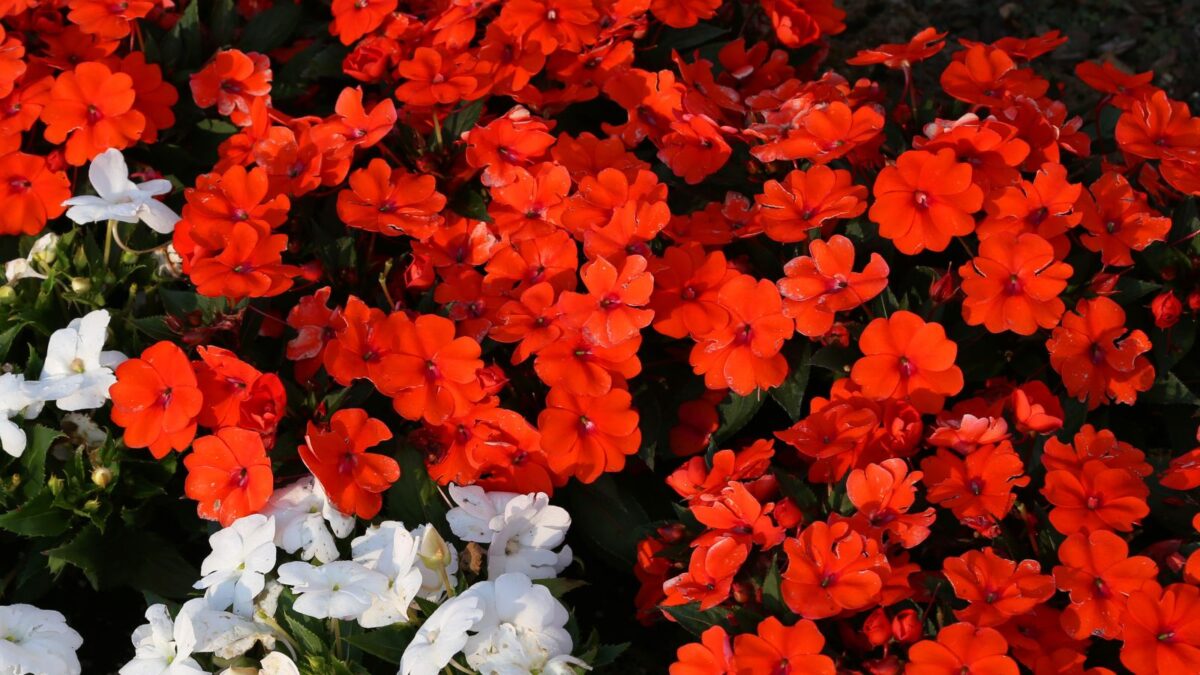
{"x": 1162, "y": 631}
{"x": 962, "y": 648}
{"x": 925, "y": 200}
{"x": 831, "y": 568}
{"x": 904, "y": 357}
{"x": 996, "y": 589}
{"x": 229, "y": 474}
{"x": 775, "y": 648}
{"x": 337, "y": 455}
{"x": 1098, "y": 357}
{"x": 156, "y": 399}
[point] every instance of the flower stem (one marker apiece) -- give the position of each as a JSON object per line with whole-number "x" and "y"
{"x": 108, "y": 237}
{"x": 446, "y": 581}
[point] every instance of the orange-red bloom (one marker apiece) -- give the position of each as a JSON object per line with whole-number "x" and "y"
{"x": 1099, "y": 575}
{"x": 996, "y": 589}
{"x": 1097, "y": 498}
{"x": 589, "y": 435}
{"x": 30, "y": 193}
{"x": 831, "y": 568}
{"x": 229, "y": 474}
{"x": 1014, "y": 284}
{"x": 156, "y": 399}
{"x": 1098, "y": 358}
{"x": 231, "y": 81}
{"x": 924, "y": 200}
{"x": 775, "y": 648}
{"x": 809, "y": 199}
{"x": 818, "y": 286}
{"x": 744, "y": 354}
{"x": 1162, "y": 631}
{"x": 962, "y": 649}
{"x": 391, "y": 201}
{"x": 92, "y": 109}
{"x": 430, "y": 374}
{"x": 904, "y": 357}
{"x": 337, "y": 455}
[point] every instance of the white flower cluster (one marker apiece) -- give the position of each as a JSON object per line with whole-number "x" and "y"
{"x": 37, "y": 642}
{"x": 76, "y": 375}
{"x": 505, "y": 625}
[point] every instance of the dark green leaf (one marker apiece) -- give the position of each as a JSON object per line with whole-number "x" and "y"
{"x": 790, "y": 394}
{"x": 271, "y": 28}
{"x": 1170, "y": 390}
{"x": 462, "y": 120}
{"x": 606, "y": 514}
{"x": 386, "y": 643}
{"x": 735, "y": 412}
{"x": 34, "y": 457}
{"x": 37, "y": 517}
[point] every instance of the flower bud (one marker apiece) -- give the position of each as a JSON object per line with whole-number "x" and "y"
{"x": 1104, "y": 283}
{"x": 434, "y": 551}
{"x": 944, "y": 287}
{"x": 102, "y": 476}
{"x": 906, "y": 627}
{"x": 1166, "y": 309}
{"x": 81, "y": 285}
{"x": 877, "y": 628}
{"x": 7, "y": 295}
{"x": 55, "y": 484}
{"x": 1193, "y": 300}
{"x": 91, "y": 505}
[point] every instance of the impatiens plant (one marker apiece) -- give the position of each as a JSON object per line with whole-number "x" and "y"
{"x": 560, "y": 336}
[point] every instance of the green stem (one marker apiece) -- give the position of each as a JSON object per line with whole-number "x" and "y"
{"x": 108, "y": 237}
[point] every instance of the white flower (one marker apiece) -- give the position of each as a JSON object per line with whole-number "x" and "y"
{"x": 22, "y": 268}
{"x": 78, "y": 373}
{"x": 221, "y": 633}
{"x": 523, "y": 628}
{"x": 336, "y": 590}
{"x": 442, "y": 636}
{"x": 301, "y": 511}
{"x": 521, "y": 531}
{"x": 241, "y": 554}
{"x": 82, "y": 429}
{"x": 37, "y": 642}
{"x": 162, "y": 646}
{"x": 432, "y": 587}
{"x": 15, "y": 400}
{"x": 275, "y": 663}
{"x": 120, "y": 198}
{"x": 391, "y": 550}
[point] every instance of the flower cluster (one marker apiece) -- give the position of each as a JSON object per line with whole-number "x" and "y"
{"x": 796, "y": 365}
{"x": 256, "y": 608}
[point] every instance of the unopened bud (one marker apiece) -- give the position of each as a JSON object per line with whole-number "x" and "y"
{"x": 91, "y": 505}
{"x": 7, "y": 295}
{"x": 55, "y": 484}
{"x": 434, "y": 551}
{"x": 81, "y": 285}
{"x": 102, "y": 476}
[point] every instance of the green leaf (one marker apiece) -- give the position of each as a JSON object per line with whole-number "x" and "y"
{"x": 386, "y": 643}
{"x": 9, "y": 336}
{"x": 696, "y": 621}
{"x": 772, "y": 593}
{"x": 736, "y": 412}
{"x": 223, "y": 22}
{"x": 37, "y": 517}
{"x": 836, "y": 359}
{"x": 125, "y": 556}
{"x": 34, "y": 457}
{"x": 214, "y": 126}
{"x": 462, "y": 120}
{"x": 311, "y": 642}
{"x": 560, "y": 587}
{"x": 790, "y": 394}
{"x": 415, "y": 499}
{"x": 271, "y": 28}
{"x": 470, "y": 202}
{"x": 1170, "y": 390}
{"x": 609, "y": 517}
